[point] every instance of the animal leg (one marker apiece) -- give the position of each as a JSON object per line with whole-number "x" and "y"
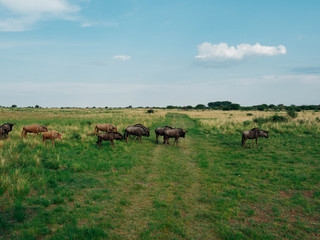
{"x": 244, "y": 145}
{"x": 157, "y": 138}
{"x": 135, "y": 138}
{"x": 52, "y": 142}
{"x": 174, "y": 142}
{"x": 251, "y": 143}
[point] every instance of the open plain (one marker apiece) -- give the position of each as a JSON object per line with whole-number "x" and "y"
{"x": 208, "y": 187}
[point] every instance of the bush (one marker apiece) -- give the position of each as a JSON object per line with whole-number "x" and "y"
{"x": 261, "y": 120}
{"x": 292, "y": 113}
{"x": 246, "y": 123}
{"x": 274, "y": 118}
{"x": 277, "y": 118}
{"x": 150, "y": 111}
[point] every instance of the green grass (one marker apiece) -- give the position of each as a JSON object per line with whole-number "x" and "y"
{"x": 207, "y": 187}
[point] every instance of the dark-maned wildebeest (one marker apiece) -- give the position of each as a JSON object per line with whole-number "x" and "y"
{"x": 254, "y": 133}
{"x": 36, "y": 129}
{"x": 109, "y": 137}
{"x": 160, "y": 131}
{"x": 137, "y": 130}
{"x": 106, "y": 127}
{"x": 5, "y": 129}
{"x": 51, "y": 135}
{"x": 175, "y": 133}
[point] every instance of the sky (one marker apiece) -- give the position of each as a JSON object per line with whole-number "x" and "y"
{"x": 116, "y": 53}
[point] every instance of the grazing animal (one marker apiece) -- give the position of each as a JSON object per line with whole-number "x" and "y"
{"x": 36, "y": 128}
{"x": 106, "y": 127}
{"x": 51, "y": 135}
{"x": 109, "y": 137}
{"x": 137, "y": 130}
{"x": 175, "y": 133}
{"x": 254, "y": 133}
{"x": 5, "y": 129}
{"x": 160, "y": 132}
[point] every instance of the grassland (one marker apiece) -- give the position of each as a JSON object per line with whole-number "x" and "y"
{"x": 206, "y": 188}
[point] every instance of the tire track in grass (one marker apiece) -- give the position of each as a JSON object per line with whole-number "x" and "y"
{"x": 165, "y": 204}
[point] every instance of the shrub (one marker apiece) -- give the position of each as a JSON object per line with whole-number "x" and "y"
{"x": 261, "y": 120}
{"x": 246, "y": 123}
{"x": 277, "y": 118}
{"x": 292, "y": 112}
{"x": 150, "y": 111}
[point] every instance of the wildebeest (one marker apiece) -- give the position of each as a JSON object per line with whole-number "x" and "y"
{"x": 36, "y": 128}
{"x": 160, "y": 131}
{"x": 137, "y": 130}
{"x": 109, "y": 137}
{"x": 51, "y": 135}
{"x": 254, "y": 133}
{"x": 5, "y": 129}
{"x": 175, "y": 133}
{"x": 106, "y": 127}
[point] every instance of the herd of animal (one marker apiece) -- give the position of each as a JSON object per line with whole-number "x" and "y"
{"x": 110, "y": 133}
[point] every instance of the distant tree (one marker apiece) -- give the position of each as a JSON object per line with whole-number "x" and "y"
{"x": 262, "y": 107}
{"x": 234, "y": 106}
{"x": 200, "y": 106}
{"x": 14, "y": 106}
{"x": 281, "y": 106}
{"x": 150, "y": 111}
{"x": 105, "y": 107}
{"x": 187, "y": 107}
{"x": 219, "y": 104}
{"x": 130, "y": 106}
{"x": 37, "y": 106}
{"x": 171, "y": 107}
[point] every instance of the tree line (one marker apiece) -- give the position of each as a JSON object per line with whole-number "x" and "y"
{"x": 227, "y": 106}
{"x": 220, "y": 105}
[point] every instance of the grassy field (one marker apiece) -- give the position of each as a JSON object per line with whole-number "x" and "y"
{"x": 206, "y": 188}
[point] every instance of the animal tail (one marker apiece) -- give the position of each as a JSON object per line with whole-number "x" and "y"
{"x": 125, "y": 135}
{"x": 23, "y": 133}
{"x": 243, "y": 140}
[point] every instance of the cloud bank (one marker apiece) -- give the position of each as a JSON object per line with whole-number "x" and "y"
{"x": 222, "y": 52}
{"x": 23, "y": 14}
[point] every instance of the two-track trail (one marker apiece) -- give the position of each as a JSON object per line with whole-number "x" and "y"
{"x": 159, "y": 198}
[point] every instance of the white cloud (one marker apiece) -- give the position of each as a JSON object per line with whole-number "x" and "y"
{"x": 121, "y": 57}
{"x": 222, "y": 52}
{"x": 25, "y": 13}
{"x": 39, "y": 6}
{"x": 87, "y": 24}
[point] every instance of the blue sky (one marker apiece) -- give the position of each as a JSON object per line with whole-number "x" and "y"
{"x": 158, "y": 53}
